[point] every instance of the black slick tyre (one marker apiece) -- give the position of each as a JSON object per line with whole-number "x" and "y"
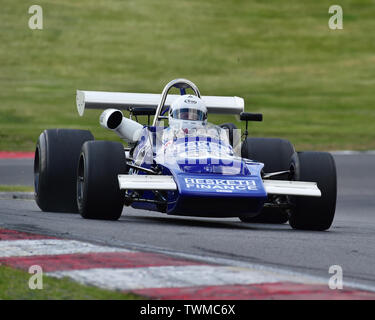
{"x": 55, "y": 168}
{"x": 314, "y": 213}
{"x": 98, "y": 192}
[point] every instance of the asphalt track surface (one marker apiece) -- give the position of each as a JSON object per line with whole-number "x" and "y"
{"x": 349, "y": 243}
{"x": 16, "y": 172}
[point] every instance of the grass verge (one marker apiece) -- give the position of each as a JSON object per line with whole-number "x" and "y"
{"x": 16, "y": 188}
{"x": 315, "y": 86}
{"x": 14, "y": 286}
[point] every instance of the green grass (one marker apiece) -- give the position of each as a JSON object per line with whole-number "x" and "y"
{"x": 315, "y": 86}
{"x": 14, "y": 286}
{"x": 16, "y": 188}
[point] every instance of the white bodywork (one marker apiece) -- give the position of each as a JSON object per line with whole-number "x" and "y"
{"x": 127, "y": 129}
{"x": 292, "y": 188}
{"x": 157, "y": 182}
{"x": 146, "y": 182}
{"x": 124, "y": 100}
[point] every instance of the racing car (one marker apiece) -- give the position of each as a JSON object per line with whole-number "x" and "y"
{"x": 180, "y": 164}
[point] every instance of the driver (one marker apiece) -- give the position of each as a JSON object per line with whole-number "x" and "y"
{"x": 188, "y": 117}
{"x": 187, "y": 112}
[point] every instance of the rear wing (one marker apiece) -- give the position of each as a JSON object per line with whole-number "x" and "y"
{"x": 125, "y": 100}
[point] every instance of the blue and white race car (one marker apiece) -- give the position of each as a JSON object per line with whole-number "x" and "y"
{"x": 188, "y": 167}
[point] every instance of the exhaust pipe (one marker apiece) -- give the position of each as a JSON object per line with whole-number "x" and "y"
{"x": 125, "y": 128}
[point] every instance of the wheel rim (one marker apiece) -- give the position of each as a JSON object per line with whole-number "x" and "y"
{"x": 36, "y": 171}
{"x": 80, "y": 179}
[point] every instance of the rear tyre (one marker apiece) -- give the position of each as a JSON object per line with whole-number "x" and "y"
{"x": 98, "y": 192}
{"x": 312, "y": 213}
{"x": 55, "y": 168}
{"x": 275, "y": 154}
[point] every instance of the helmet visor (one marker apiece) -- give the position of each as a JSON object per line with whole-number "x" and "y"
{"x": 189, "y": 114}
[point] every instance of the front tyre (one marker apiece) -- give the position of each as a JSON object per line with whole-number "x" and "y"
{"x": 98, "y": 192}
{"x": 314, "y": 213}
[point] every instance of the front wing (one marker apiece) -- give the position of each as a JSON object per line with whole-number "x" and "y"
{"x": 159, "y": 182}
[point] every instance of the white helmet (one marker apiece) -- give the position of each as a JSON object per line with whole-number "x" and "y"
{"x": 187, "y": 112}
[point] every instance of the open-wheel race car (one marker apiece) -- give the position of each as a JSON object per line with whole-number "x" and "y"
{"x": 186, "y": 167}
